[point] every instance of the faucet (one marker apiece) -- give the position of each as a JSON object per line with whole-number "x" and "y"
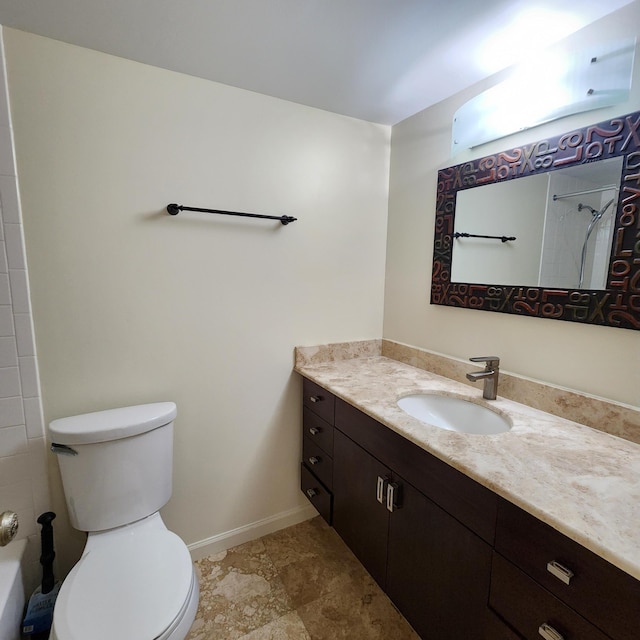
{"x": 489, "y": 375}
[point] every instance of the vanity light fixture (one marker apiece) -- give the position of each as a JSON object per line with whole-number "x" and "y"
{"x": 552, "y": 86}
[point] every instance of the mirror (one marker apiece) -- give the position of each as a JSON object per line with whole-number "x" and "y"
{"x": 558, "y": 225}
{"x": 551, "y": 229}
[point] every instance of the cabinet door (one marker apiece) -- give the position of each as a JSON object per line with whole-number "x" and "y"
{"x": 360, "y": 520}
{"x": 438, "y": 571}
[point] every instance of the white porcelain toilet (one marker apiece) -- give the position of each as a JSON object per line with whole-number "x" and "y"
{"x": 135, "y": 579}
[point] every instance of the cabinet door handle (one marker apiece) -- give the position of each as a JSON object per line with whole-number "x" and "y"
{"x": 549, "y": 633}
{"x": 311, "y": 493}
{"x": 315, "y": 398}
{"x": 314, "y": 460}
{"x": 381, "y": 488}
{"x": 314, "y": 431}
{"x": 560, "y": 571}
{"x": 393, "y": 496}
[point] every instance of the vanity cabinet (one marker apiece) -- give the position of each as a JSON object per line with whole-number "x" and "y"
{"x": 458, "y": 561}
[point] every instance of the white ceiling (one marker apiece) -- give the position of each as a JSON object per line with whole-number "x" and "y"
{"x": 378, "y": 60}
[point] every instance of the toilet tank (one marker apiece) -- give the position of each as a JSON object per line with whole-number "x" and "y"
{"x": 116, "y": 465}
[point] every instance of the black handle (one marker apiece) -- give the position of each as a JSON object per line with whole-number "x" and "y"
{"x": 47, "y": 554}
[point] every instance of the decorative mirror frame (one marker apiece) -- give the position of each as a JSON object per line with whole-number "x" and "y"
{"x": 616, "y": 306}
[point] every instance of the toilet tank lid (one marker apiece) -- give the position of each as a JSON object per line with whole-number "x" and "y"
{"x": 112, "y": 424}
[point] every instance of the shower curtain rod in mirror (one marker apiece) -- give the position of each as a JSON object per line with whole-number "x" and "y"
{"x": 610, "y": 187}
{"x": 175, "y": 209}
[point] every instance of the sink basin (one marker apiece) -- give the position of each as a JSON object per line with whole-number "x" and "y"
{"x": 454, "y": 414}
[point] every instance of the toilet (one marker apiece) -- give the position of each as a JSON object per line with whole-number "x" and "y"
{"x": 135, "y": 579}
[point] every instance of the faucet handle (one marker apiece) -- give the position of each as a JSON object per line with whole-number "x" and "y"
{"x": 491, "y": 361}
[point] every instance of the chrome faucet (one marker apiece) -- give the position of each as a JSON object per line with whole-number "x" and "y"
{"x": 489, "y": 375}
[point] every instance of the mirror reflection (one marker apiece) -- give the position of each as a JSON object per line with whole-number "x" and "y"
{"x": 545, "y": 230}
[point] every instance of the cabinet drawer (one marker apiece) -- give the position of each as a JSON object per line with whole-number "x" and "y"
{"x": 317, "y": 494}
{"x": 526, "y": 606}
{"x": 600, "y": 592}
{"x": 319, "y": 400}
{"x": 317, "y": 430}
{"x": 318, "y": 461}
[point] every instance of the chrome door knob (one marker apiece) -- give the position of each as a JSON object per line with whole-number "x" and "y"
{"x": 8, "y": 527}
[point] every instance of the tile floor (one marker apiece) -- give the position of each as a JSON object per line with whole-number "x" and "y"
{"x": 300, "y": 583}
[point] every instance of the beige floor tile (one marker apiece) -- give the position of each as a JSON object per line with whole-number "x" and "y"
{"x": 361, "y": 611}
{"x": 304, "y": 541}
{"x": 240, "y": 590}
{"x": 288, "y": 627}
{"x": 300, "y": 583}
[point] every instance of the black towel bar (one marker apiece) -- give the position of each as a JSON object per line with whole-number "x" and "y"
{"x": 175, "y": 209}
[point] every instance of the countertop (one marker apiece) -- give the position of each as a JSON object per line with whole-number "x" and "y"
{"x": 582, "y": 482}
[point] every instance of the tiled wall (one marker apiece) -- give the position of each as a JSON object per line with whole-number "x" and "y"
{"x": 24, "y": 486}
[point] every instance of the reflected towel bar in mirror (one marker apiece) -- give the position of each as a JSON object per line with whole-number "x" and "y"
{"x": 459, "y": 234}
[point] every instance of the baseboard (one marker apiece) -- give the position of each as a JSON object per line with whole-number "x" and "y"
{"x": 251, "y": 531}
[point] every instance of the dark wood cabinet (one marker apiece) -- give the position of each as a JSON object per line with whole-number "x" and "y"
{"x": 458, "y": 562}
{"x": 318, "y": 461}
{"x": 532, "y": 610}
{"x": 498, "y": 629}
{"x": 433, "y": 567}
{"x": 316, "y": 475}
{"x": 360, "y": 520}
{"x": 533, "y": 558}
{"x": 319, "y": 400}
{"x": 437, "y": 570}
{"x": 319, "y": 496}
{"x": 467, "y": 501}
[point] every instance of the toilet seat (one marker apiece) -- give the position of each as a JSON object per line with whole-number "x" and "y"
{"x": 130, "y": 588}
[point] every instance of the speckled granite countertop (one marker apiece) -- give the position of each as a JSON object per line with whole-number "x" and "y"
{"x": 583, "y": 482}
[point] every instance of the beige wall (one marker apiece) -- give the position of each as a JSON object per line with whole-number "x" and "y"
{"x": 599, "y": 360}
{"x": 132, "y": 305}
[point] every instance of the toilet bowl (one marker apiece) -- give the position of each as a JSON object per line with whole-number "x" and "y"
{"x": 136, "y": 583}
{"x": 135, "y": 579}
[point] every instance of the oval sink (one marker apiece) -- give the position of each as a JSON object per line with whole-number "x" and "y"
{"x": 453, "y": 414}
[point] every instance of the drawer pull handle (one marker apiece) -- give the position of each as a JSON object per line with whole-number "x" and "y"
{"x": 315, "y": 398}
{"x": 311, "y": 493}
{"x": 559, "y": 571}
{"x": 381, "y": 489}
{"x": 314, "y": 431}
{"x": 314, "y": 460}
{"x": 549, "y": 633}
